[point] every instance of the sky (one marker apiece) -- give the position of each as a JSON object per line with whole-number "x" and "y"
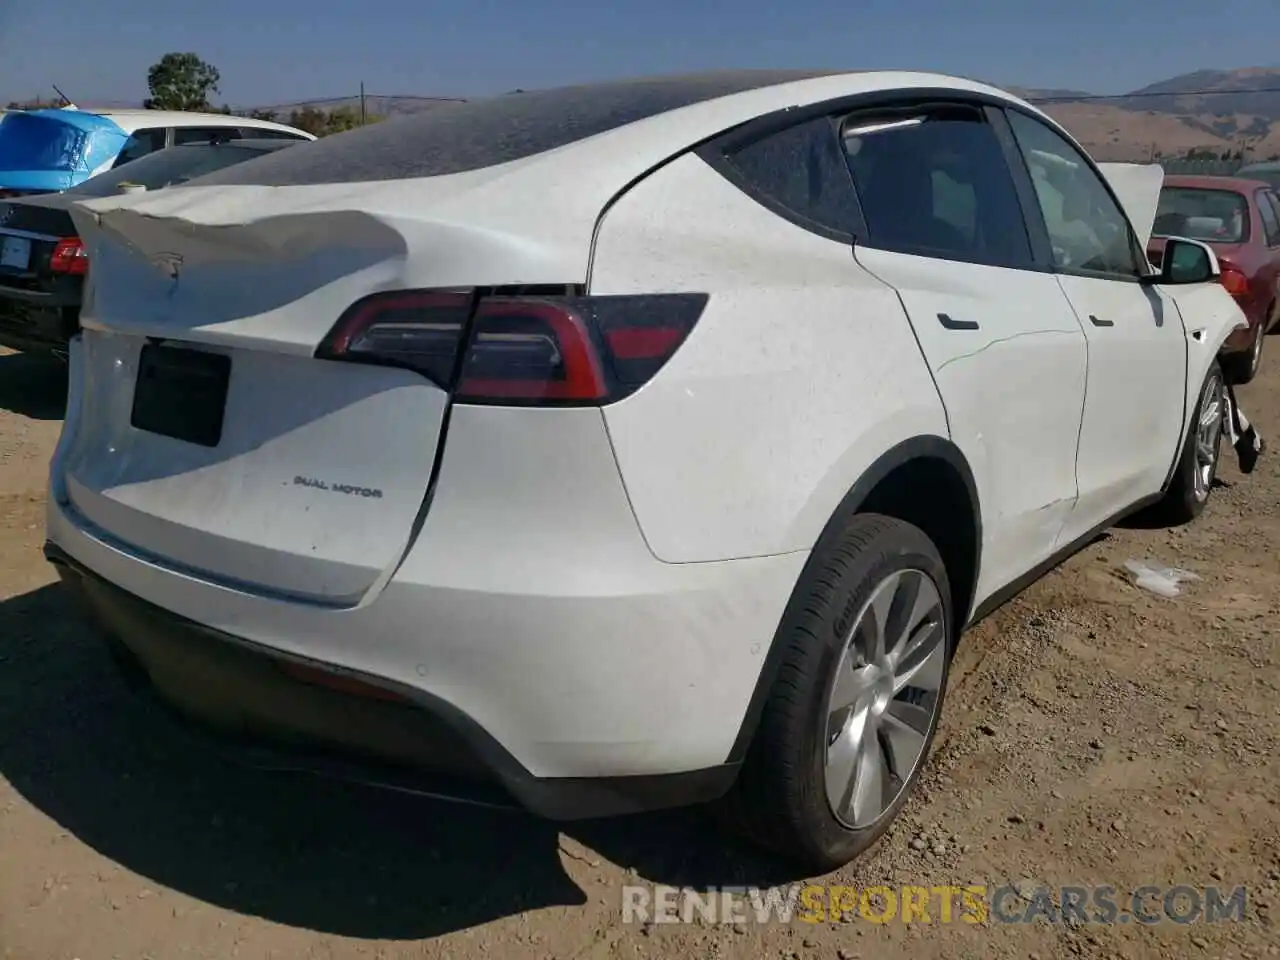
{"x": 279, "y": 51}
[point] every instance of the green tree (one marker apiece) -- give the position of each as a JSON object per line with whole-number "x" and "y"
{"x": 268, "y": 115}
{"x": 322, "y": 123}
{"x": 181, "y": 81}
{"x": 313, "y": 121}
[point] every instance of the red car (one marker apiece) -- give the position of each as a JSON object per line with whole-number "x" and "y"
{"x": 1240, "y": 219}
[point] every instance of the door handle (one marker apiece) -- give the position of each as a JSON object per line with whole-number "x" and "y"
{"x": 950, "y": 324}
{"x": 1101, "y": 323}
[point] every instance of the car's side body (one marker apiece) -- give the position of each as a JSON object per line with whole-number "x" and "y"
{"x": 1249, "y": 253}
{"x": 578, "y": 558}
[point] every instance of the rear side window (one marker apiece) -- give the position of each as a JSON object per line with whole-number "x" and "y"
{"x": 800, "y": 173}
{"x": 203, "y": 134}
{"x": 457, "y": 137}
{"x": 263, "y": 133}
{"x": 1270, "y": 223}
{"x": 934, "y": 182}
{"x": 141, "y": 143}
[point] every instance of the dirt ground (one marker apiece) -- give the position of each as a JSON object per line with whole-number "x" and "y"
{"x": 1094, "y": 734}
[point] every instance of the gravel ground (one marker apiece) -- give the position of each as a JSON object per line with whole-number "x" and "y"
{"x": 1094, "y": 734}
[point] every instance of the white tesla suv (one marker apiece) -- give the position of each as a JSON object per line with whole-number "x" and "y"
{"x": 622, "y": 446}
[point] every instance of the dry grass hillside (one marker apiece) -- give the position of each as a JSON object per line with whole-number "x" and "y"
{"x": 1215, "y": 110}
{"x": 1113, "y": 133}
{"x": 1218, "y": 110}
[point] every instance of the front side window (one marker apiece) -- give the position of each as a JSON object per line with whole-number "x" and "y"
{"x": 933, "y": 181}
{"x": 1197, "y": 213}
{"x": 1087, "y": 228}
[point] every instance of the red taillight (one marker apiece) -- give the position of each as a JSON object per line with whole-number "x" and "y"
{"x": 1235, "y": 282}
{"x": 518, "y": 349}
{"x": 530, "y": 350}
{"x": 69, "y": 256}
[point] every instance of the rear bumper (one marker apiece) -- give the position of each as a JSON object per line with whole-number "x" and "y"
{"x": 34, "y": 323}
{"x": 247, "y": 702}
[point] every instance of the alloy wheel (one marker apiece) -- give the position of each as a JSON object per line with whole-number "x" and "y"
{"x": 1208, "y": 435}
{"x": 884, "y": 697}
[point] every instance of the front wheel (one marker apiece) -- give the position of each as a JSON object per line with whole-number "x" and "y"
{"x": 853, "y": 710}
{"x": 1198, "y": 465}
{"x": 1243, "y": 367}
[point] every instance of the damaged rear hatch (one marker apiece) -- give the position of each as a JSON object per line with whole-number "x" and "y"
{"x": 210, "y": 435}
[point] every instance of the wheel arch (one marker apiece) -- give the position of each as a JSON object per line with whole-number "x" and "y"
{"x": 890, "y": 485}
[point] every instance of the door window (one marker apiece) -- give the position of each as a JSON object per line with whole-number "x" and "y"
{"x": 203, "y": 134}
{"x": 140, "y": 143}
{"x": 1274, "y": 200}
{"x": 933, "y": 181}
{"x": 1088, "y": 229}
{"x": 1270, "y": 222}
{"x": 266, "y": 133}
{"x": 799, "y": 173}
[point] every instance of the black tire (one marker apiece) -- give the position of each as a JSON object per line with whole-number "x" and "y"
{"x": 779, "y": 801}
{"x": 1241, "y": 368}
{"x": 1185, "y": 499}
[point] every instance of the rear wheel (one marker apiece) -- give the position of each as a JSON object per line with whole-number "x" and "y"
{"x": 854, "y": 708}
{"x": 1198, "y": 465}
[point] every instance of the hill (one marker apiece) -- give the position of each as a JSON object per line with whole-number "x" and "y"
{"x": 1217, "y": 110}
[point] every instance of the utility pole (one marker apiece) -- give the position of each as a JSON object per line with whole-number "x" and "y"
{"x": 362, "y": 110}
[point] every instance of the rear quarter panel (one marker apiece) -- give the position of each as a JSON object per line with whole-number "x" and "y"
{"x": 801, "y": 372}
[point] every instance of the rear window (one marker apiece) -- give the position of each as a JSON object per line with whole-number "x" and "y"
{"x": 167, "y": 168}
{"x": 1200, "y": 213}
{"x": 457, "y": 137}
{"x": 39, "y": 143}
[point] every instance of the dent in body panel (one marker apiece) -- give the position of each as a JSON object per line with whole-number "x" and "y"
{"x": 1011, "y": 371}
{"x": 802, "y": 370}
{"x": 234, "y": 512}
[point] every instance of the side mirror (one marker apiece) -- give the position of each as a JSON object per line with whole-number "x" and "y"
{"x": 1188, "y": 261}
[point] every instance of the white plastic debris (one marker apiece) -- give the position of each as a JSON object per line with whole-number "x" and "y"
{"x": 1160, "y": 580}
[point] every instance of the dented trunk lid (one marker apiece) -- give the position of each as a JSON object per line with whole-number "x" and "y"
{"x": 210, "y": 438}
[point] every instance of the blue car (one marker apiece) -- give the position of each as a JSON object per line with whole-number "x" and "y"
{"x": 48, "y": 151}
